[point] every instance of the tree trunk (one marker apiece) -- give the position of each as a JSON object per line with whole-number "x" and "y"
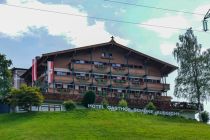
{"x": 199, "y": 107}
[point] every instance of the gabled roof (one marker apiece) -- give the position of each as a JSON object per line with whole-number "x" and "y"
{"x": 112, "y": 42}
{"x": 170, "y": 67}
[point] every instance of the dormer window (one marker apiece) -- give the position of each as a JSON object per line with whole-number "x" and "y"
{"x": 80, "y": 62}
{"x": 106, "y": 55}
{"x": 116, "y": 65}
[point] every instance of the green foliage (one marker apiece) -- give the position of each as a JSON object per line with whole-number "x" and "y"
{"x": 25, "y": 97}
{"x": 193, "y": 78}
{"x": 204, "y": 117}
{"x": 69, "y": 105}
{"x": 105, "y": 103}
{"x": 122, "y": 103}
{"x": 89, "y": 98}
{"x": 5, "y": 76}
{"x": 150, "y": 106}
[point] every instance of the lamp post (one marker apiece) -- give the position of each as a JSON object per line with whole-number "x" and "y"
{"x": 205, "y": 25}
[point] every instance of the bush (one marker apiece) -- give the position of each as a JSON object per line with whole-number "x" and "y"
{"x": 205, "y": 117}
{"x": 150, "y": 106}
{"x": 105, "y": 103}
{"x": 122, "y": 103}
{"x": 69, "y": 105}
{"x": 25, "y": 97}
{"x": 89, "y": 98}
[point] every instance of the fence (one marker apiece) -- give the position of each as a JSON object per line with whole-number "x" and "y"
{"x": 43, "y": 107}
{"x": 4, "y": 108}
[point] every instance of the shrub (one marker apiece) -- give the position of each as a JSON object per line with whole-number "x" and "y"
{"x": 89, "y": 98}
{"x": 150, "y": 106}
{"x": 122, "y": 103}
{"x": 105, "y": 103}
{"x": 25, "y": 97}
{"x": 69, "y": 105}
{"x": 205, "y": 117}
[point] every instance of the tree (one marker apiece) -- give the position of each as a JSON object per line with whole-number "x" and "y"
{"x": 89, "y": 98}
{"x": 25, "y": 97}
{"x": 69, "y": 105}
{"x": 192, "y": 82}
{"x": 205, "y": 117}
{"x": 5, "y": 76}
{"x": 123, "y": 103}
{"x": 151, "y": 106}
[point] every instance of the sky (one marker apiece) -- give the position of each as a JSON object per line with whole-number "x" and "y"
{"x": 26, "y": 33}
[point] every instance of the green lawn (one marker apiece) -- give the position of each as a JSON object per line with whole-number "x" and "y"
{"x": 99, "y": 124}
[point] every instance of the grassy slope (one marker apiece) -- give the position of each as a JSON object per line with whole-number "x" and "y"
{"x": 87, "y": 124}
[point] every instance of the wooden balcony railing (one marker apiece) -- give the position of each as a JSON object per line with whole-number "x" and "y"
{"x": 100, "y": 81}
{"x": 157, "y": 86}
{"x": 101, "y": 68}
{"x": 82, "y": 80}
{"x": 119, "y": 70}
{"x": 120, "y": 83}
{"x": 82, "y": 67}
{"x": 136, "y": 72}
{"x": 67, "y": 78}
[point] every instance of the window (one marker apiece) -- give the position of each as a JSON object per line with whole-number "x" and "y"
{"x": 116, "y": 65}
{"x": 82, "y": 87}
{"x": 106, "y": 55}
{"x": 92, "y": 88}
{"x": 70, "y": 86}
{"x": 98, "y": 63}
{"x": 58, "y": 85}
{"x": 60, "y": 73}
{"x": 79, "y": 62}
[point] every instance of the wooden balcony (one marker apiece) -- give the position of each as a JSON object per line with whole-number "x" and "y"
{"x": 119, "y": 70}
{"x": 82, "y": 67}
{"x": 102, "y": 82}
{"x": 65, "y": 79}
{"x": 120, "y": 83}
{"x": 158, "y": 86}
{"x": 136, "y": 72}
{"x": 138, "y": 85}
{"x": 101, "y": 68}
{"x": 163, "y": 98}
{"x": 82, "y": 80}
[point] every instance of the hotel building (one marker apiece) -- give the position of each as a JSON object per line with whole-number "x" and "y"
{"x": 111, "y": 70}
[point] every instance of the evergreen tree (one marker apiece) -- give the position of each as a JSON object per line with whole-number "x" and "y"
{"x": 5, "y": 76}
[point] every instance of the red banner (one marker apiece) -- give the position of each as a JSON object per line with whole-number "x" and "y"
{"x": 34, "y": 70}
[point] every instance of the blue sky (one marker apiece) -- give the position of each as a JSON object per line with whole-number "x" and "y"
{"x": 26, "y": 33}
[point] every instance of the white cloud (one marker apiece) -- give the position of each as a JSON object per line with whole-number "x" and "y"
{"x": 167, "y": 48}
{"x": 177, "y": 21}
{"x": 16, "y": 21}
{"x": 120, "y": 11}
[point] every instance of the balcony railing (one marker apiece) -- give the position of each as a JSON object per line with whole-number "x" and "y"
{"x": 158, "y": 86}
{"x": 66, "y": 78}
{"x": 101, "y": 81}
{"x": 136, "y": 72}
{"x": 119, "y": 70}
{"x": 101, "y": 69}
{"x": 82, "y": 67}
{"x": 119, "y": 83}
{"x": 82, "y": 80}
